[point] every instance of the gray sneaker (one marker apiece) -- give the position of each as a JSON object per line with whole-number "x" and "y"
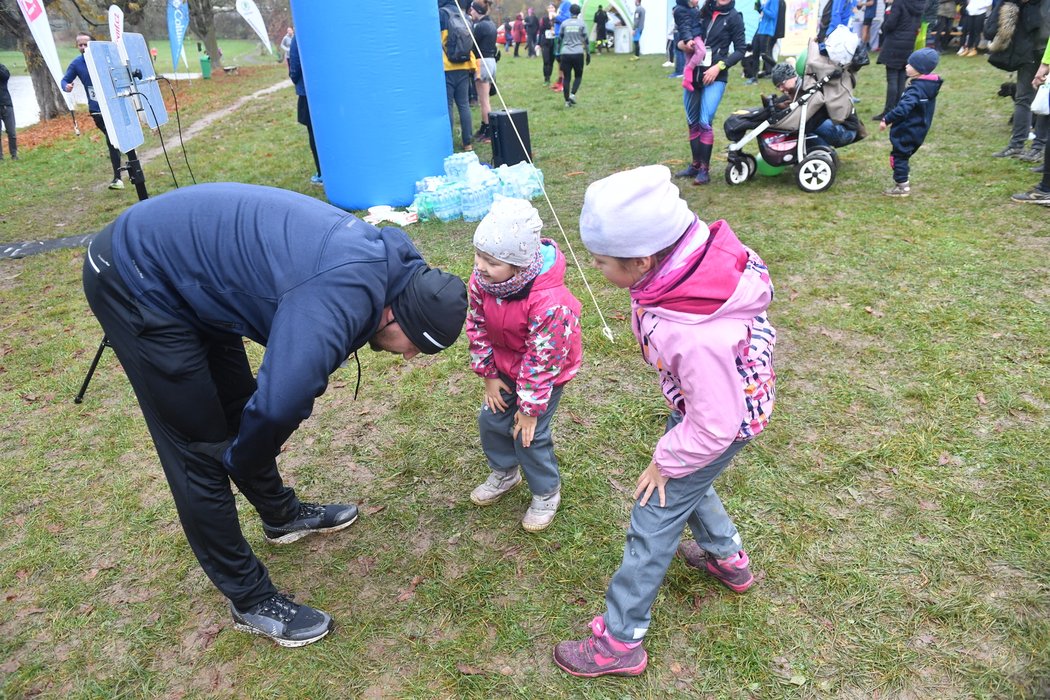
{"x": 1033, "y": 196}
{"x": 1031, "y": 155}
{"x": 495, "y": 487}
{"x": 283, "y": 621}
{"x": 541, "y": 512}
{"x": 900, "y": 189}
{"x": 1009, "y": 152}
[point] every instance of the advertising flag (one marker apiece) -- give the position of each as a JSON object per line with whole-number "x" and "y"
{"x": 178, "y": 24}
{"x": 116, "y": 31}
{"x": 36, "y": 17}
{"x": 250, "y": 12}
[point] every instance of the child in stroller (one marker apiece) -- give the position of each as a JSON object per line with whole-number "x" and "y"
{"x": 802, "y": 127}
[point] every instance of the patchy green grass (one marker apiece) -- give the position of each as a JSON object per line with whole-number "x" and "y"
{"x": 895, "y": 510}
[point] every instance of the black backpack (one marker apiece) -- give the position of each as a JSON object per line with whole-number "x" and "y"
{"x": 458, "y": 43}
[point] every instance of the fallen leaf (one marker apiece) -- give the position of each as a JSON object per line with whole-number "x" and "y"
{"x": 981, "y": 401}
{"x": 928, "y": 505}
{"x": 372, "y": 510}
{"x": 22, "y": 574}
{"x": 676, "y": 668}
{"x": 576, "y": 172}
{"x": 792, "y": 295}
{"x": 797, "y": 680}
{"x": 944, "y": 458}
{"x": 411, "y": 590}
{"x": 874, "y": 312}
{"x": 468, "y": 670}
{"x": 89, "y": 576}
{"x": 10, "y": 666}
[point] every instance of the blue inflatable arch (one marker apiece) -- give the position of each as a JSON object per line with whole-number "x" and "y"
{"x": 376, "y": 87}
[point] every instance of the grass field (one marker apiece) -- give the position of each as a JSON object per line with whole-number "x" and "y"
{"x": 896, "y": 509}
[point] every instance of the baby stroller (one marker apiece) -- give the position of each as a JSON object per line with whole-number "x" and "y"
{"x": 781, "y": 134}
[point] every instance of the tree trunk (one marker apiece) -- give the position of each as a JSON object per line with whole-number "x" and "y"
{"x": 48, "y": 97}
{"x": 202, "y": 20}
{"x": 48, "y": 94}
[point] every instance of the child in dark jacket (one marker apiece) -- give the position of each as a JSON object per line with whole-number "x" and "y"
{"x": 910, "y": 120}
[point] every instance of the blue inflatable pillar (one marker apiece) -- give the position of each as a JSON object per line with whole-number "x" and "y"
{"x": 376, "y": 87}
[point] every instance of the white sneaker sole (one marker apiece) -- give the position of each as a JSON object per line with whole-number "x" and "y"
{"x": 300, "y": 534}
{"x": 288, "y": 643}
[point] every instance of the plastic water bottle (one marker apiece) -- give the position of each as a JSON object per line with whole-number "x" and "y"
{"x": 447, "y": 203}
{"x": 456, "y": 165}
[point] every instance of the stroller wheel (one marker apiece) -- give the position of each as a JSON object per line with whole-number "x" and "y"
{"x": 752, "y": 165}
{"x": 831, "y": 152}
{"x": 816, "y": 172}
{"x": 737, "y": 172}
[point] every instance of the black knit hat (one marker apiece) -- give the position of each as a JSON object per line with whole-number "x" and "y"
{"x": 782, "y": 72}
{"x": 432, "y": 309}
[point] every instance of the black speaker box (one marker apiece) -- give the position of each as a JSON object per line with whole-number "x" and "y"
{"x": 506, "y": 148}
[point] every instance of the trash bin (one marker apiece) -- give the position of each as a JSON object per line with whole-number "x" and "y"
{"x": 206, "y": 67}
{"x": 622, "y": 39}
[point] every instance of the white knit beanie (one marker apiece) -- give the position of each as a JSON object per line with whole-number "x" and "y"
{"x": 633, "y": 213}
{"x": 510, "y": 232}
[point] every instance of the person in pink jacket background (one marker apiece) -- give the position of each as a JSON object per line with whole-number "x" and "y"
{"x": 523, "y": 326}
{"x": 698, "y": 301}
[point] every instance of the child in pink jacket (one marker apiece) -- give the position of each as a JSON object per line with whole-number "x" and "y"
{"x": 698, "y": 303}
{"x": 523, "y": 326}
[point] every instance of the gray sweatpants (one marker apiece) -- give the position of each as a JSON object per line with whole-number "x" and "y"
{"x": 653, "y": 537}
{"x": 538, "y": 463}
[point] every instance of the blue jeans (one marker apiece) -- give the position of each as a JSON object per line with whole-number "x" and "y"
{"x": 701, "y": 105}
{"x": 828, "y": 133}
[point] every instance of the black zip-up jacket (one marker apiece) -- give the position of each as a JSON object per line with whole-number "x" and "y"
{"x": 686, "y": 20}
{"x": 910, "y": 120}
{"x": 485, "y": 34}
{"x": 722, "y": 31}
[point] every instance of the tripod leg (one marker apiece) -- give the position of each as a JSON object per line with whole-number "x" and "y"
{"x": 91, "y": 370}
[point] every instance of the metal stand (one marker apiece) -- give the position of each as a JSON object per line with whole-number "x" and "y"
{"x": 139, "y": 180}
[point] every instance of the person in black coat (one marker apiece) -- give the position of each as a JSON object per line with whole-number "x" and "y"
{"x": 7, "y": 114}
{"x": 899, "y": 29}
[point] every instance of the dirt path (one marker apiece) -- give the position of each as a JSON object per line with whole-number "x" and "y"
{"x": 20, "y": 250}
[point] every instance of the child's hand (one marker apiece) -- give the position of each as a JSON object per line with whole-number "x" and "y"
{"x": 651, "y": 479}
{"x": 493, "y": 399}
{"x": 882, "y": 125}
{"x": 526, "y": 425}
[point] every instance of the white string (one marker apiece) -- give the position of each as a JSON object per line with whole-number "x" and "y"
{"x": 606, "y": 331}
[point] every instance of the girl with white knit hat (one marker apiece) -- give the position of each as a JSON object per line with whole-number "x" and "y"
{"x": 698, "y": 300}
{"x": 523, "y": 326}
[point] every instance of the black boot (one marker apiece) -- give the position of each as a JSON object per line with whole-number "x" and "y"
{"x": 694, "y": 167}
{"x": 703, "y": 175}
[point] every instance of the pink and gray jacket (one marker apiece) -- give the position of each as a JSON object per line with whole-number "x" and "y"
{"x": 535, "y": 340}
{"x": 700, "y": 318}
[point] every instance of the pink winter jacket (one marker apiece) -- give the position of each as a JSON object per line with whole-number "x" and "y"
{"x": 535, "y": 340}
{"x": 700, "y": 319}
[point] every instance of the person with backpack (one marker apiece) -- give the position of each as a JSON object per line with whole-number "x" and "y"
{"x": 458, "y": 58}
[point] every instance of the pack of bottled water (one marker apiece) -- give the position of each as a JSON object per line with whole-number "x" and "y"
{"x": 468, "y": 188}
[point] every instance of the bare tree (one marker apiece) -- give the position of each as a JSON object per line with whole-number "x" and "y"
{"x": 48, "y": 96}
{"x": 202, "y": 20}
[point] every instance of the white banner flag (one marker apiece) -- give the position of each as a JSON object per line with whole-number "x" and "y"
{"x": 36, "y": 17}
{"x": 116, "y": 31}
{"x": 250, "y": 12}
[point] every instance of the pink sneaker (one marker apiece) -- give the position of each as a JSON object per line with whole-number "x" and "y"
{"x": 600, "y": 655}
{"x": 734, "y": 571}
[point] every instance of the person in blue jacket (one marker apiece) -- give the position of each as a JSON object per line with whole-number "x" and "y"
{"x": 295, "y": 74}
{"x": 910, "y": 120}
{"x": 177, "y": 282}
{"x": 78, "y": 69}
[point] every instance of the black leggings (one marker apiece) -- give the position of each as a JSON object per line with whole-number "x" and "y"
{"x": 972, "y": 27}
{"x": 548, "y": 61}
{"x": 570, "y": 63}
{"x": 896, "y": 80}
{"x": 7, "y": 118}
{"x": 114, "y": 154}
